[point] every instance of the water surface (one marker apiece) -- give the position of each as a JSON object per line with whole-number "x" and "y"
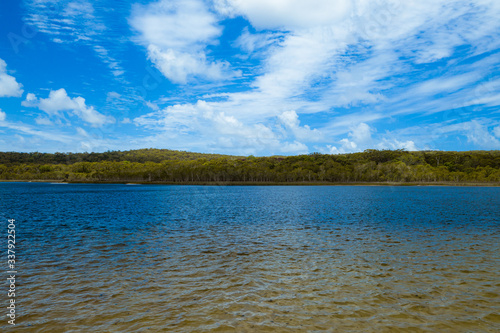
{"x": 119, "y": 258}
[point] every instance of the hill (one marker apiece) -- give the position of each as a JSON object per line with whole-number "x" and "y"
{"x": 169, "y": 166}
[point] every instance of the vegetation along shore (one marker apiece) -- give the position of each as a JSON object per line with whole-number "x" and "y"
{"x": 377, "y": 167}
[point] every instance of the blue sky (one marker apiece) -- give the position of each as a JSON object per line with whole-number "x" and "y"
{"x": 257, "y": 77}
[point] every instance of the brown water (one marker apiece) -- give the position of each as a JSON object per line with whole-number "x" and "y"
{"x": 201, "y": 259}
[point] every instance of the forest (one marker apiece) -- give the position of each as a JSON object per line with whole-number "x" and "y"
{"x": 169, "y": 166}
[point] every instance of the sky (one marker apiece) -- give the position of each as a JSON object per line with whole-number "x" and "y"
{"x": 260, "y": 77}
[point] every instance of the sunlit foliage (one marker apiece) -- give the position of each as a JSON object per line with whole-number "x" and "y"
{"x": 157, "y": 165}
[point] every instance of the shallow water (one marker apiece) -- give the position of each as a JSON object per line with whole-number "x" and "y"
{"x": 117, "y": 258}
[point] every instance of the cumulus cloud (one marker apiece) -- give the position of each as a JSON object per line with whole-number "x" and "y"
{"x": 2, "y": 115}
{"x": 203, "y": 117}
{"x": 59, "y": 101}
{"x": 189, "y": 125}
{"x": 361, "y": 134}
{"x": 360, "y": 138}
{"x": 176, "y": 34}
{"x": 9, "y": 87}
{"x": 290, "y": 119}
{"x": 179, "y": 66}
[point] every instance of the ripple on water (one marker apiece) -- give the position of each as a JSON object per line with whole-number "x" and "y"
{"x": 242, "y": 259}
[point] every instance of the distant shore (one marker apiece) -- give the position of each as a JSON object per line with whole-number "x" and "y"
{"x": 154, "y": 166}
{"x": 131, "y": 182}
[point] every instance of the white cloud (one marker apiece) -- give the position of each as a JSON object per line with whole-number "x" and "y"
{"x": 43, "y": 121}
{"x": 203, "y": 117}
{"x": 2, "y": 115}
{"x": 362, "y": 133}
{"x": 112, "y": 96}
{"x": 295, "y": 147}
{"x": 176, "y": 24}
{"x": 65, "y": 20}
{"x": 176, "y": 34}
{"x": 152, "y": 106}
{"x": 478, "y": 134}
{"x": 481, "y": 133}
{"x": 192, "y": 125}
{"x": 299, "y": 60}
{"x": 59, "y": 101}
{"x": 286, "y": 14}
{"x": 57, "y": 139}
{"x": 68, "y": 21}
{"x": 249, "y": 43}
{"x": 360, "y": 137}
{"x": 81, "y": 8}
{"x": 446, "y": 84}
{"x": 82, "y": 132}
{"x": 314, "y": 61}
{"x": 476, "y": 131}
{"x": 179, "y": 66}
{"x": 113, "y": 64}
{"x": 359, "y": 63}
{"x": 496, "y": 131}
{"x": 354, "y": 61}
{"x": 485, "y": 92}
{"x": 290, "y": 119}
{"x": 396, "y": 144}
{"x": 9, "y": 87}
{"x": 34, "y": 132}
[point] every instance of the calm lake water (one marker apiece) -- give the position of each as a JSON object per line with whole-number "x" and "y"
{"x": 137, "y": 258}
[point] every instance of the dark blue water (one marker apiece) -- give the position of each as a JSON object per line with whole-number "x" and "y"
{"x": 251, "y": 259}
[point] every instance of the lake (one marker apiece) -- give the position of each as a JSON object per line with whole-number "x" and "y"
{"x": 147, "y": 258}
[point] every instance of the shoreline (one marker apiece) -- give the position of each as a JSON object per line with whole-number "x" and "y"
{"x": 462, "y": 184}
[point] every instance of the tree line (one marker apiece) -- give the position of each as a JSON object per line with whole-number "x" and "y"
{"x": 139, "y": 155}
{"x": 161, "y": 165}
